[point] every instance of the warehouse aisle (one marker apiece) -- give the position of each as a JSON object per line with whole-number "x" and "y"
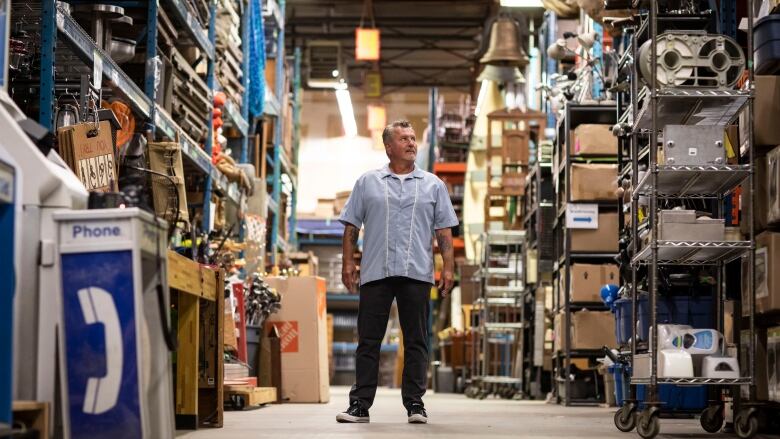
{"x": 451, "y": 416}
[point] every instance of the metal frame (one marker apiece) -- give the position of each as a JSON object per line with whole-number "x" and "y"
{"x": 487, "y": 379}
{"x": 575, "y": 114}
{"x": 664, "y": 182}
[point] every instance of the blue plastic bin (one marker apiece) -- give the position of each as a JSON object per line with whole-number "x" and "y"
{"x": 674, "y": 398}
{"x": 682, "y": 310}
{"x": 620, "y": 372}
{"x": 677, "y": 398}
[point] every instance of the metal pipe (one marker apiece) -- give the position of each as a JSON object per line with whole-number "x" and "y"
{"x": 634, "y": 211}
{"x": 206, "y": 224}
{"x": 654, "y": 204}
{"x": 751, "y": 211}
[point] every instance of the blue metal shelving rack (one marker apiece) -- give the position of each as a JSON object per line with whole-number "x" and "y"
{"x": 58, "y": 25}
{"x": 281, "y": 163}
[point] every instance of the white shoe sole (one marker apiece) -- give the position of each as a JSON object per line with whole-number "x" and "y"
{"x": 345, "y": 418}
{"x": 418, "y": 419}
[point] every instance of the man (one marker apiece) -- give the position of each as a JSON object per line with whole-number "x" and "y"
{"x": 401, "y": 207}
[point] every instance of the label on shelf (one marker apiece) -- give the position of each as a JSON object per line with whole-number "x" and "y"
{"x": 582, "y": 216}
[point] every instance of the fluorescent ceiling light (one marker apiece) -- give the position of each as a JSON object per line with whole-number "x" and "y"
{"x": 347, "y": 113}
{"x": 522, "y": 3}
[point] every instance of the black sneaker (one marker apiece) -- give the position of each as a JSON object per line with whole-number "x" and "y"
{"x": 417, "y": 414}
{"x": 354, "y": 414}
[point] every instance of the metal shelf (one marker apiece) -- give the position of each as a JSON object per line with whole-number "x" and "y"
{"x": 271, "y": 9}
{"x": 708, "y": 181}
{"x": 501, "y": 290}
{"x": 503, "y": 326}
{"x": 233, "y": 113}
{"x": 693, "y": 252}
{"x": 272, "y": 106}
{"x": 687, "y": 106}
{"x": 506, "y": 237}
{"x": 500, "y": 380}
{"x": 499, "y": 300}
{"x": 192, "y": 26}
{"x": 696, "y": 381}
{"x": 86, "y": 49}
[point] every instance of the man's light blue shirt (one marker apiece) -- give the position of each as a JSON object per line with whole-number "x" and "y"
{"x": 399, "y": 218}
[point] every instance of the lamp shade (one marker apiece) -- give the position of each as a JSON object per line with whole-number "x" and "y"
{"x": 366, "y": 44}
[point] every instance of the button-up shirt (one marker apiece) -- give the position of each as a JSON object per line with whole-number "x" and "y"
{"x": 400, "y": 217}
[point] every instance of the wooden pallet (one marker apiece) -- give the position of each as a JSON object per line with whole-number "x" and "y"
{"x": 241, "y": 397}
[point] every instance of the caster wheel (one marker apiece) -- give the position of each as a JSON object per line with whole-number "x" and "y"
{"x": 746, "y": 425}
{"x": 648, "y": 425}
{"x": 712, "y": 419}
{"x": 625, "y": 419}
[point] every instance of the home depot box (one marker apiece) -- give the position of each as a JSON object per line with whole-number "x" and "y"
{"x": 593, "y": 182}
{"x": 302, "y": 326}
{"x": 601, "y": 240}
{"x": 766, "y": 105}
{"x": 593, "y": 139}
{"x": 767, "y": 277}
{"x": 589, "y": 330}
{"x": 587, "y": 280}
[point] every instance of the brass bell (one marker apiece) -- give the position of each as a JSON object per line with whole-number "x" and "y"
{"x": 504, "y": 48}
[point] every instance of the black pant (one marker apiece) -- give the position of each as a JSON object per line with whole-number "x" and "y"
{"x": 376, "y": 298}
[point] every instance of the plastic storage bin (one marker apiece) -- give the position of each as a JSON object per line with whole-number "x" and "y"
{"x": 696, "y": 311}
{"x": 620, "y": 375}
{"x": 677, "y": 398}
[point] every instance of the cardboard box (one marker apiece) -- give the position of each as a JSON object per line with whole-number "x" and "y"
{"x": 593, "y": 182}
{"x": 589, "y": 330}
{"x": 587, "y": 280}
{"x": 773, "y": 364}
{"x": 469, "y": 288}
{"x": 762, "y": 374}
{"x": 302, "y": 326}
{"x": 766, "y": 105}
{"x": 767, "y": 276}
{"x": 513, "y": 183}
{"x": 771, "y": 197}
{"x": 604, "y": 239}
{"x": 341, "y": 201}
{"x": 593, "y": 139}
{"x": 761, "y": 201}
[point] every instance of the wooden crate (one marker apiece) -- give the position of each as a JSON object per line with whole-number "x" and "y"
{"x": 240, "y": 397}
{"x": 33, "y": 415}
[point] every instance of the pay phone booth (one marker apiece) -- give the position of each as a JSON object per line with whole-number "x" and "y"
{"x": 114, "y": 361}
{"x": 7, "y": 285}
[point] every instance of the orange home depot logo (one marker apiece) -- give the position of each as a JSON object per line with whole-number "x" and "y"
{"x": 288, "y": 335}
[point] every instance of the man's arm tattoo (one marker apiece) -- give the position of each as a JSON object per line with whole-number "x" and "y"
{"x": 444, "y": 240}
{"x": 349, "y": 243}
{"x": 354, "y": 233}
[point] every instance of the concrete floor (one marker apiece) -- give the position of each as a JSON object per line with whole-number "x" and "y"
{"x": 450, "y": 416}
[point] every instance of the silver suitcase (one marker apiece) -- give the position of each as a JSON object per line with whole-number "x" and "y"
{"x": 694, "y": 145}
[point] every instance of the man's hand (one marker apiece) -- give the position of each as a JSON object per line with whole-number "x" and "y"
{"x": 349, "y": 273}
{"x": 446, "y": 283}
{"x": 350, "y": 277}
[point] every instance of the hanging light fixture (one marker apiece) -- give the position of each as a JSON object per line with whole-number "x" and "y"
{"x": 367, "y": 40}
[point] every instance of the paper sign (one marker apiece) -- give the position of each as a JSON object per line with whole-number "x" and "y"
{"x": 582, "y": 216}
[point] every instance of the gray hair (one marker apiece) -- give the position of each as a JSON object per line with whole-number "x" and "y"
{"x": 388, "y": 131}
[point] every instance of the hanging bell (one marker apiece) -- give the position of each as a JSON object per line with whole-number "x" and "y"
{"x": 501, "y": 74}
{"x": 504, "y": 48}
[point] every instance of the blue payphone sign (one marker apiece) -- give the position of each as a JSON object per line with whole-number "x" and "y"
{"x": 101, "y": 345}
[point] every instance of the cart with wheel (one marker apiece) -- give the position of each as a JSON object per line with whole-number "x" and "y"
{"x": 660, "y": 178}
